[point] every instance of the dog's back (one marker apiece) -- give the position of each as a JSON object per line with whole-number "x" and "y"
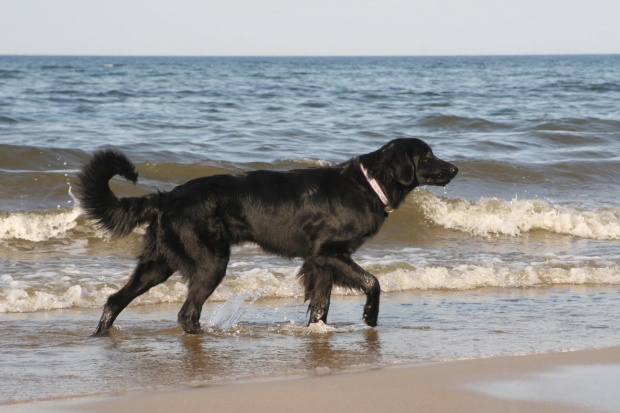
{"x": 295, "y": 213}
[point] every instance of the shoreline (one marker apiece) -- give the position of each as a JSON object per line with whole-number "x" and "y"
{"x": 547, "y": 382}
{"x": 50, "y": 356}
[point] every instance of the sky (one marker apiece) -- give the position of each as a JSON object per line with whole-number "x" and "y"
{"x": 309, "y": 27}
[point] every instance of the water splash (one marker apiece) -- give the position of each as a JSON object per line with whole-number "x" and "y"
{"x": 321, "y": 328}
{"x": 227, "y": 314}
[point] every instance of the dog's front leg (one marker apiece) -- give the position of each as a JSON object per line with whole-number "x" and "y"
{"x": 372, "y": 290}
{"x": 353, "y": 276}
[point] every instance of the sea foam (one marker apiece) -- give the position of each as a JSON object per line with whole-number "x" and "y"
{"x": 483, "y": 217}
{"x": 468, "y": 277}
{"x": 37, "y": 226}
{"x": 492, "y": 217}
{"x": 54, "y": 292}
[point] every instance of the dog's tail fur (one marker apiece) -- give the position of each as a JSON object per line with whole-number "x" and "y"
{"x": 118, "y": 216}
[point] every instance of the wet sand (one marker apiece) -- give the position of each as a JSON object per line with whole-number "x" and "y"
{"x": 578, "y": 381}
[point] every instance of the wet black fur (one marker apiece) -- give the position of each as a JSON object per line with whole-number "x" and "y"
{"x": 322, "y": 215}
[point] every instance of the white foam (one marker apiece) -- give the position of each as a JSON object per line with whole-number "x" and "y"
{"x": 17, "y": 300}
{"x": 492, "y": 216}
{"x": 37, "y": 226}
{"x": 484, "y": 217}
{"x": 53, "y": 289}
{"x": 311, "y": 161}
{"x": 44, "y": 292}
{"x": 468, "y": 277}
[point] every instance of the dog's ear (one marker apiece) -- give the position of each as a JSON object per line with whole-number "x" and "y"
{"x": 400, "y": 165}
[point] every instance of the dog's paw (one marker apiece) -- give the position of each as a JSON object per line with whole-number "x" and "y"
{"x": 195, "y": 330}
{"x": 96, "y": 334}
{"x": 370, "y": 320}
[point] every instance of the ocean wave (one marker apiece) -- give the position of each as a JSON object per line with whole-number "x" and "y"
{"x": 306, "y": 162}
{"x": 486, "y": 217}
{"x": 604, "y": 87}
{"x": 116, "y": 93}
{"x": 60, "y": 291}
{"x": 8, "y": 119}
{"x": 37, "y": 226}
{"x": 492, "y": 217}
{"x": 469, "y": 277}
{"x": 44, "y": 298}
{"x": 40, "y": 159}
{"x": 582, "y": 86}
{"x": 459, "y": 122}
{"x": 10, "y": 74}
{"x": 589, "y": 124}
{"x": 59, "y": 67}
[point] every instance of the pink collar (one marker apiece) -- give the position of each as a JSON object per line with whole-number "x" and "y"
{"x": 374, "y": 184}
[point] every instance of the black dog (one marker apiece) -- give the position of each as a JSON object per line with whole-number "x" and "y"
{"x": 319, "y": 214}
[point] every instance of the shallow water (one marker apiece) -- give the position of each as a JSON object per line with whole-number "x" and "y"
{"x": 519, "y": 254}
{"x": 52, "y": 355}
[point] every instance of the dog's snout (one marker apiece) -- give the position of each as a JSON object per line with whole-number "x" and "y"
{"x": 453, "y": 169}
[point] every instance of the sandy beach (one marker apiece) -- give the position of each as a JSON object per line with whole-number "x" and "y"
{"x": 578, "y": 381}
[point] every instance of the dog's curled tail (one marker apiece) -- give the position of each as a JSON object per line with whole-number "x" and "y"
{"x": 118, "y": 216}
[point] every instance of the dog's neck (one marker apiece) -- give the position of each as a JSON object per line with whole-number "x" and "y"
{"x": 376, "y": 186}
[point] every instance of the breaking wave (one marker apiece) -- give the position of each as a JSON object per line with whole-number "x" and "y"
{"x": 60, "y": 291}
{"x": 484, "y": 217}
{"x": 493, "y": 217}
{"x": 37, "y": 226}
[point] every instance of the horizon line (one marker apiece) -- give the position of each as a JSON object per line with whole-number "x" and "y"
{"x": 307, "y": 55}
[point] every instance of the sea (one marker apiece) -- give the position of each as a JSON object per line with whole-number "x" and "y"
{"x": 519, "y": 254}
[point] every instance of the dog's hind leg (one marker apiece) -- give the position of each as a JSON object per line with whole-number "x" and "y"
{"x": 319, "y": 305}
{"x": 317, "y": 280}
{"x": 202, "y": 282}
{"x": 146, "y": 275}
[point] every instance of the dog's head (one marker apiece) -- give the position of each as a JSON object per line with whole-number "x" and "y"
{"x": 411, "y": 163}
